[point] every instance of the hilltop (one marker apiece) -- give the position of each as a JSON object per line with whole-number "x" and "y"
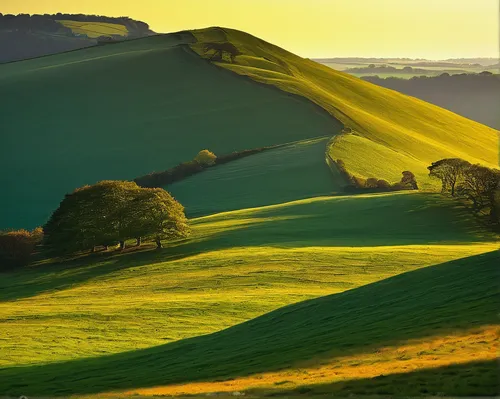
{"x": 407, "y": 132}
{"x": 27, "y": 36}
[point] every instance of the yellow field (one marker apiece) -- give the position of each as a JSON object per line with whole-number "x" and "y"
{"x": 95, "y": 29}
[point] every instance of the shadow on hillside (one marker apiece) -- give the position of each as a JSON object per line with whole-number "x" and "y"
{"x": 457, "y": 295}
{"x": 471, "y": 379}
{"x": 385, "y": 220}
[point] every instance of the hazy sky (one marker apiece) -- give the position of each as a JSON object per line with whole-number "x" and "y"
{"x": 317, "y": 28}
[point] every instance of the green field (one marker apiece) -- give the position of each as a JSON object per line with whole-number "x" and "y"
{"x": 236, "y": 266}
{"x": 414, "y": 131}
{"x": 284, "y": 174}
{"x": 95, "y": 29}
{"x": 118, "y": 111}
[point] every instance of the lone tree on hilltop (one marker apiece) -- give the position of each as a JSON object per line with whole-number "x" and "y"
{"x": 221, "y": 49}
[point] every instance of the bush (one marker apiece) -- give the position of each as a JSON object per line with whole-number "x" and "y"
{"x": 17, "y": 247}
{"x": 206, "y": 158}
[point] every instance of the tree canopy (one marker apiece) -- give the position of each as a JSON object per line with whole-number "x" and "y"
{"x": 112, "y": 212}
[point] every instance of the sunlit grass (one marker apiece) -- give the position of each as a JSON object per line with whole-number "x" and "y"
{"x": 236, "y": 266}
{"x": 459, "y": 348}
{"x": 95, "y": 29}
{"x": 413, "y": 132}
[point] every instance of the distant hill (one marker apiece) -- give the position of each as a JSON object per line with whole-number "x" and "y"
{"x": 475, "y": 96}
{"x": 26, "y": 36}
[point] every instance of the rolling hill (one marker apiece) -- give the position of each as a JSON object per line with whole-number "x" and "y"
{"x": 413, "y": 132}
{"x": 117, "y": 112}
{"x": 124, "y": 110}
{"x": 412, "y": 322}
{"x": 282, "y": 288}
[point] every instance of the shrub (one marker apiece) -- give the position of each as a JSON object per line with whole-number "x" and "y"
{"x": 206, "y": 158}
{"x": 17, "y": 247}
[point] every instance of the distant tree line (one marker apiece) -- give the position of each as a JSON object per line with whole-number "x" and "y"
{"x": 112, "y": 212}
{"x": 360, "y": 184}
{"x": 478, "y": 185}
{"x": 204, "y": 160}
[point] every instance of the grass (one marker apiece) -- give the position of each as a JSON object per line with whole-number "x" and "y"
{"x": 413, "y": 131}
{"x": 443, "y": 302}
{"x": 153, "y": 104}
{"x": 285, "y": 174}
{"x": 236, "y": 266}
{"x": 95, "y": 29}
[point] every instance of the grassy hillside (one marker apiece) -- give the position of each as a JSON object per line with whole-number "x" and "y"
{"x": 414, "y": 133}
{"x": 284, "y": 174}
{"x": 95, "y": 29}
{"x": 124, "y": 110}
{"x": 236, "y": 266}
{"x": 412, "y": 321}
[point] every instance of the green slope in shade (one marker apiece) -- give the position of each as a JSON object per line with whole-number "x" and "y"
{"x": 415, "y": 133}
{"x": 124, "y": 110}
{"x": 457, "y": 295}
{"x": 284, "y": 174}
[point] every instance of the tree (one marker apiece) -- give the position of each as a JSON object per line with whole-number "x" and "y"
{"x": 112, "y": 212}
{"x": 450, "y": 171}
{"x": 480, "y": 185}
{"x": 159, "y": 216}
{"x": 220, "y": 49}
{"x": 206, "y": 158}
{"x": 408, "y": 180}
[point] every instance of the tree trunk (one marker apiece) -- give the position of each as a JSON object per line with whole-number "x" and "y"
{"x": 139, "y": 241}
{"x": 158, "y": 244}
{"x": 122, "y": 245}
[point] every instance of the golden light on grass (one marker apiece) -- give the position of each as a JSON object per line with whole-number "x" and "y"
{"x": 459, "y": 348}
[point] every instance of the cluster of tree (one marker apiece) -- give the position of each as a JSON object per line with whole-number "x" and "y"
{"x": 205, "y": 159}
{"x": 475, "y": 96}
{"x": 111, "y": 212}
{"x": 477, "y": 184}
{"x": 372, "y": 184}
{"x": 221, "y": 51}
{"x": 17, "y": 247}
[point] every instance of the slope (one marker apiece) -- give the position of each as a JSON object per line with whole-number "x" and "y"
{"x": 453, "y": 297}
{"x": 413, "y": 131}
{"x": 236, "y": 266}
{"x": 292, "y": 172}
{"x": 124, "y": 110}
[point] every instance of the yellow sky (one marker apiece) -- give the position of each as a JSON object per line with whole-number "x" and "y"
{"x": 317, "y": 28}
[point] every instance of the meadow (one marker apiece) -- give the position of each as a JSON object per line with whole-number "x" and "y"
{"x": 237, "y": 265}
{"x": 292, "y": 172}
